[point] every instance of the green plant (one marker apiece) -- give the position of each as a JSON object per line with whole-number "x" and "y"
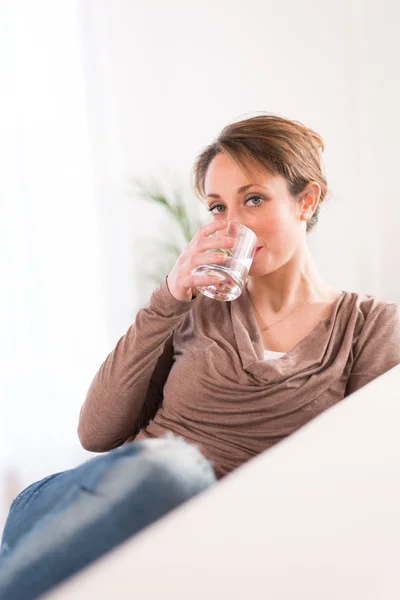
{"x": 182, "y": 216}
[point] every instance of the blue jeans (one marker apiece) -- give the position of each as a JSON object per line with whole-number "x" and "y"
{"x": 62, "y": 523}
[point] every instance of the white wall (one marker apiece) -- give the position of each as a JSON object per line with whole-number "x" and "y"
{"x": 382, "y": 57}
{"x": 52, "y": 312}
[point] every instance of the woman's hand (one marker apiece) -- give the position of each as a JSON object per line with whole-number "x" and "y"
{"x": 181, "y": 279}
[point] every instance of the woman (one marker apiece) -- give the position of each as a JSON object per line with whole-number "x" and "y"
{"x": 232, "y": 378}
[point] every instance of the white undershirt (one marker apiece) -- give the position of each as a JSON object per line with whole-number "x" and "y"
{"x": 271, "y": 355}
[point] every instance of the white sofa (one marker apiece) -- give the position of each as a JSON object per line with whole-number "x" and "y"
{"x": 317, "y": 517}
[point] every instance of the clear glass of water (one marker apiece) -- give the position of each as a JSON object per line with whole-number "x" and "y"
{"x": 234, "y": 270}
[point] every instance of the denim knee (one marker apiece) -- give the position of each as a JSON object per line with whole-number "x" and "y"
{"x": 179, "y": 457}
{"x": 169, "y": 460}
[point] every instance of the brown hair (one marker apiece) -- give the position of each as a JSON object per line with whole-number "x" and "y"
{"x": 283, "y": 147}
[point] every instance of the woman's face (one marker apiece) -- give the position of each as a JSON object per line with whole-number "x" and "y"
{"x": 262, "y": 203}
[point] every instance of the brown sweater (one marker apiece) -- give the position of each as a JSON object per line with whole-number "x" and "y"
{"x": 196, "y": 369}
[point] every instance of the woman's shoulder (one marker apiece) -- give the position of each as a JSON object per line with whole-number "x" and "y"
{"x": 368, "y": 307}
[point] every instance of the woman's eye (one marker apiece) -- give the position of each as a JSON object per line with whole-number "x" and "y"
{"x": 216, "y": 208}
{"x": 255, "y": 200}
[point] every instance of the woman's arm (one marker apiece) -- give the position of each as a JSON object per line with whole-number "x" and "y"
{"x": 378, "y": 348}
{"x": 125, "y": 391}
{"x": 155, "y": 391}
{"x": 114, "y": 405}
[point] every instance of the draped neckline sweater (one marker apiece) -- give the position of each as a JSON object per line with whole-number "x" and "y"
{"x": 197, "y": 369}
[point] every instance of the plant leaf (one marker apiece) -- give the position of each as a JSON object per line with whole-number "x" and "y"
{"x": 178, "y": 211}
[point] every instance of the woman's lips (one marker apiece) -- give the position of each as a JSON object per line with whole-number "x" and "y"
{"x": 258, "y": 250}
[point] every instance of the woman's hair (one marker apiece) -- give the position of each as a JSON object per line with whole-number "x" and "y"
{"x": 282, "y": 147}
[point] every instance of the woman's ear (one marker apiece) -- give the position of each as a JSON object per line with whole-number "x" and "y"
{"x": 309, "y": 200}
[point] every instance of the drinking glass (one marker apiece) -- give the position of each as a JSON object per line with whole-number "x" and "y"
{"x": 234, "y": 270}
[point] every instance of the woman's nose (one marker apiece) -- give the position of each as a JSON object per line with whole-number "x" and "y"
{"x": 232, "y": 215}
{"x": 236, "y": 218}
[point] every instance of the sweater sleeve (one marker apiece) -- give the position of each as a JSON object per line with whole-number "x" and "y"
{"x": 377, "y": 349}
{"x": 124, "y": 393}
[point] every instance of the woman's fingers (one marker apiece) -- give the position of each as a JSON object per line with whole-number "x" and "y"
{"x": 181, "y": 279}
{"x": 206, "y": 258}
{"x": 212, "y": 243}
{"x": 210, "y": 228}
{"x": 192, "y": 281}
